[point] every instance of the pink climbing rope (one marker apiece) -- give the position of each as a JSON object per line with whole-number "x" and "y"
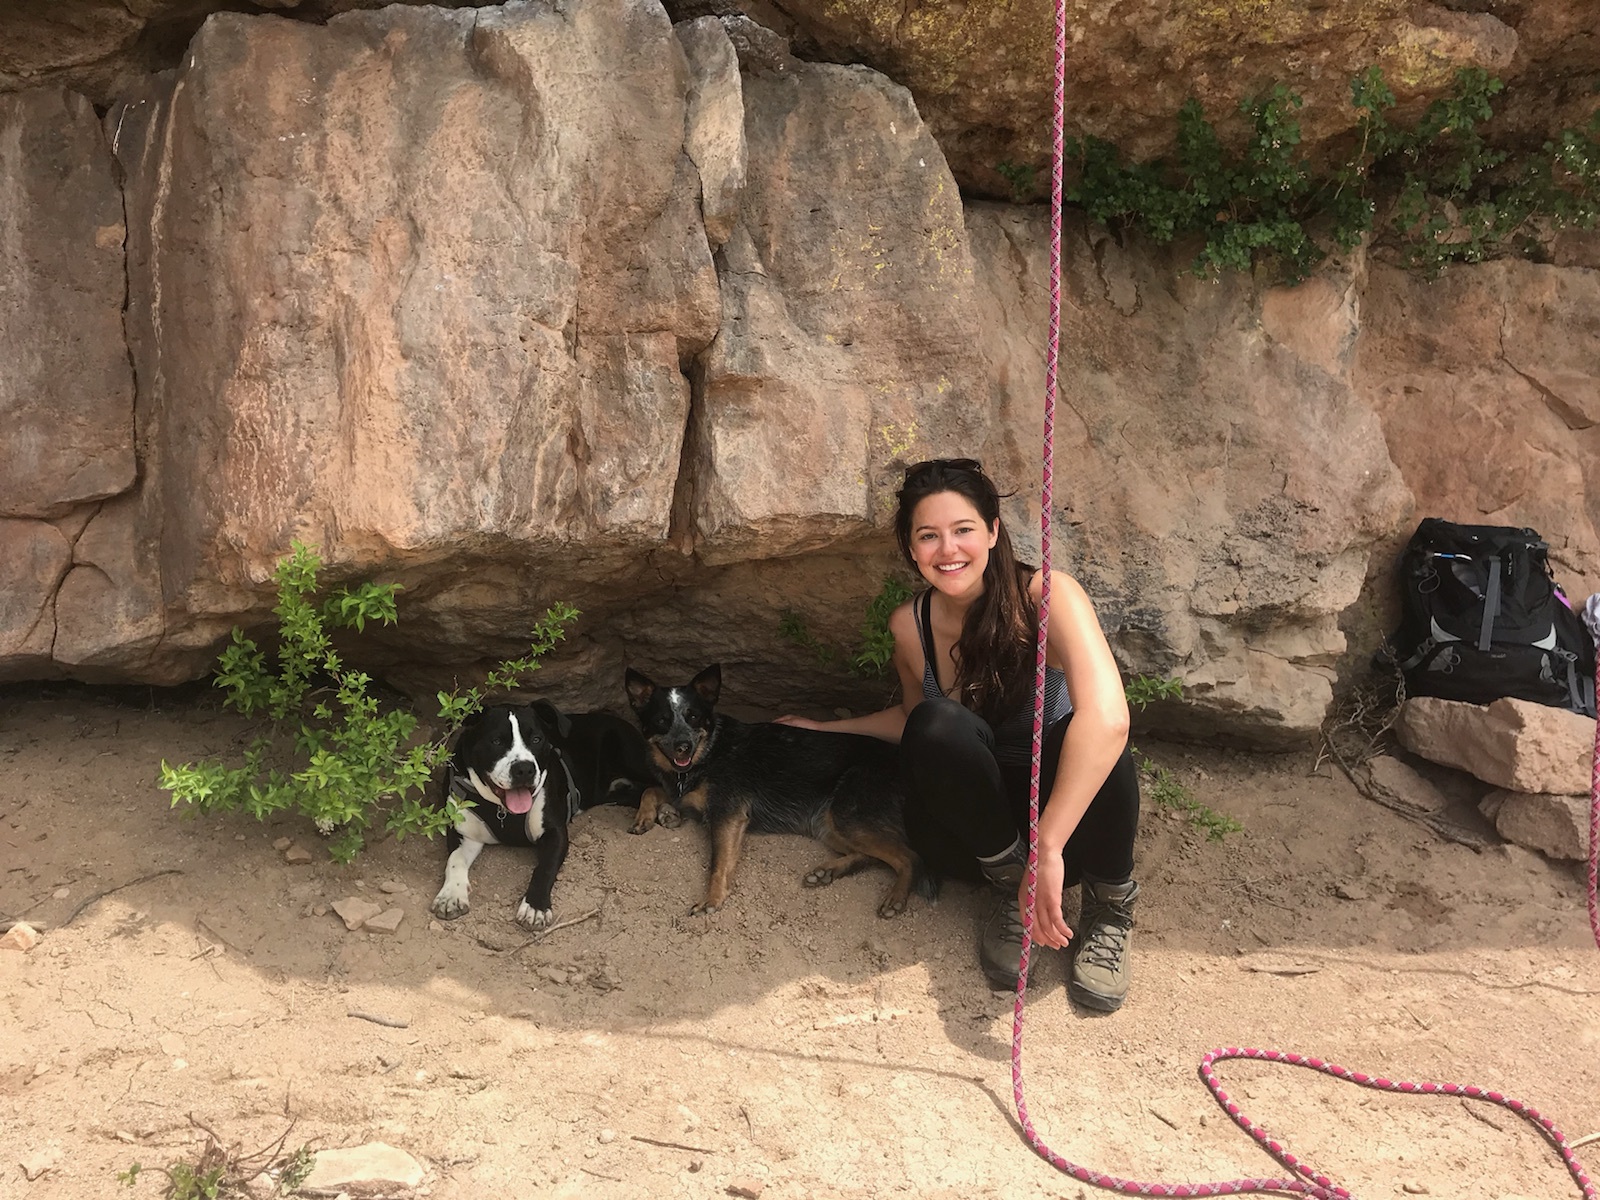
{"x": 1305, "y": 1179}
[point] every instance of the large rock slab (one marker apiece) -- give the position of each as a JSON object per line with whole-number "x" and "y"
{"x": 982, "y": 73}
{"x": 373, "y": 1169}
{"x": 1485, "y": 382}
{"x": 848, "y": 342}
{"x": 1219, "y": 485}
{"x": 1513, "y": 744}
{"x": 425, "y": 292}
{"x": 66, "y": 387}
{"x": 1556, "y": 826}
{"x": 34, "y": 558}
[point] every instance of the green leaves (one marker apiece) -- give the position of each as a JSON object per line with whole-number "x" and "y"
{"x": 354, "y": 763}
{"x": 1446, "y": 193}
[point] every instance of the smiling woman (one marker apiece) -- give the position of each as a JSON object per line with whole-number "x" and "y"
{"x": 962, "y": 651}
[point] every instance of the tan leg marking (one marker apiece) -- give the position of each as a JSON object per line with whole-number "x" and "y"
{"x": 727, "y": 839}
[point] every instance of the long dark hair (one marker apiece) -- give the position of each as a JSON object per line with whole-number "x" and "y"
{"x": 993, "y": 654}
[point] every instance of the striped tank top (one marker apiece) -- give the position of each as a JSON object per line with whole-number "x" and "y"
{"x": 1013, "y": 736}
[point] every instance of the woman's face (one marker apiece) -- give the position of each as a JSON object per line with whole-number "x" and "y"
{"x": 950, "y": 544}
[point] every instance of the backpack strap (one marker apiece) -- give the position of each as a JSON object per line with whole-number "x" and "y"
{"x": 923, "y": 611}
{"x": 1491, "y": 603}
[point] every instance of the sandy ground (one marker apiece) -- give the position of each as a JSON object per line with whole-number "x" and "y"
{"x": 793, "y": 1039}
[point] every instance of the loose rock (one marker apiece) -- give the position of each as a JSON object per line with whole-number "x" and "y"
{"x": 282, "y": 844}
{"x": 392, "y": 887}
{"x": 20, "y": 936}
{"x": 750, "y": 1189}
{"x": 1351, "y": 891}
{"x": 38, "y": 1162}
{"x": 1513, "y": 744}
{"x": 297, "y": 854}
{"x": 1557, "y": 826}
{"x": 385, "y": 922}
{"x": 373, "y": 1169}
{"x": 355, "y": 911}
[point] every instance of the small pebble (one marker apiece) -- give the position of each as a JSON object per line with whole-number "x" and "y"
{"x": 1350, "y": 891}
{"x": 1413, "y": 1188}
{"x": 392, "y": 887}
{"x": 750, "y": 1189}
{"x": 297, "y": 854}
{"x": 282, "y": 844}
{"x": 238, "y": 837}
{"x": 61, "y": 893}
{"x": 607, "y": 1136}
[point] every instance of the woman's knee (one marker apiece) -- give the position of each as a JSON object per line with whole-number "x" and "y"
{"x": 940, "y": 724}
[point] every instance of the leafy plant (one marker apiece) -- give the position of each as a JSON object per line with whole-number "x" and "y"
{"x": 1144, "y": 690}
{"x": 220, "y": 1170}
{"x": 356, "y": 761}
{"x": 1165, "y": 789}
{"x": 877, "y": 643}
{"x": 1449, "y": 195}
{"x": 792, "y": 628}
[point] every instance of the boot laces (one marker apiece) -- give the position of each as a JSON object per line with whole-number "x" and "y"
{"x": 1106, "y": 938}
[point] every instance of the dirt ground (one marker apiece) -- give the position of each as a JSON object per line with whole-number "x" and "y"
{"x": 793, "y": 1039}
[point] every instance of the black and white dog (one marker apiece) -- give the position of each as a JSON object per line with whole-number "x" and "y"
{"x": 519, "y": 774}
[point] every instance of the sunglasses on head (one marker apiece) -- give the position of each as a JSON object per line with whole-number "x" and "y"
{"x": 946, "y": 464}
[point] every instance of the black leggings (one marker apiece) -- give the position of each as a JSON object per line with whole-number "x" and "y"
{"x": 962, "y": 804}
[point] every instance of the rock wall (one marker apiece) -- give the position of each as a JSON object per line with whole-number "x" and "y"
{"x": 528, "y": 304}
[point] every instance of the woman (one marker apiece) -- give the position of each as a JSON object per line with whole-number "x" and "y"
{"x": 965, "y": 651}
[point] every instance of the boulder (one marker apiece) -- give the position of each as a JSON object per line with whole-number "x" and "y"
{"x": 1219, "y": 485}
{"x": 1556, "y": 826}
{"x": 34, "y": 558}
{"x": 1405, "y": 782}
{"x": 1512, "y": 744}
{"x": 66, "y": 390}
{"x": 715, "y": 141}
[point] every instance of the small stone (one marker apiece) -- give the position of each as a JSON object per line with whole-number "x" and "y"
{"x": 355, "y": 911}
{"x": 392, "y": 887}
{"x": 373, "y": 1168}
{"x": 297, "y": 854}
{"x": 750, "y": 1189}
{"x": 20, "y": 936}
{"x": 553, "y": 975}
{"x": 1351, "y": 891}
{"x": 1413, "y": 1188}
{"x": 282, "y": 844}
{"x": 61, "y": 893}
{"x": 385, "y": 922}
{"x": 319, "y": 910}
{"x": 435, "y": 927}
{"x": 695, "y": 1165}
{"x": 238, "y": 837}
{"x": 37, "y": 1163}
{"x": 607, "y": 1136}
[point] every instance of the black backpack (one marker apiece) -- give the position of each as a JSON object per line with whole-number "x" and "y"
{"x": 1482, "y": 618}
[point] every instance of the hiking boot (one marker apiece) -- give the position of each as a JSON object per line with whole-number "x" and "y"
{"x": 1000, "y": 945}
{"x": 1099, "y": 977}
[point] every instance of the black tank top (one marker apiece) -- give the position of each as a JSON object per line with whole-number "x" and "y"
{"x": 1013, "y": 736}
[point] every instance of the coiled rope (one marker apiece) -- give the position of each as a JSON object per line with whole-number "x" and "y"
{"x": 1305, "y": 1179}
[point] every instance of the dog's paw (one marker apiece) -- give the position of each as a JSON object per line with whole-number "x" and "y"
{"x": 701, "y": 909}
{"x": 821, "y": 877}
{"x": 641, "y": 825}
{"x": 668, "y": 817}
{"x": 892, "y": 907}
{"x": 533, "y": 918}
{"x": 450, "y": 903}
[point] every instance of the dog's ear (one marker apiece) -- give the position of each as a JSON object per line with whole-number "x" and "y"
{"x": 552, "y": 718}
{"x": 640, "y": 688}
{"x": 708, "y": 683}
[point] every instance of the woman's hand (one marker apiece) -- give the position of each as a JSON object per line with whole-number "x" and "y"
{"x": 1049, "y": 926}
{"x": 798, "y": 722}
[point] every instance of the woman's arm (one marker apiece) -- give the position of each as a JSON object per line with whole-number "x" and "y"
{"x": 889, "y": 723}
{"x": 1094, "y": 740}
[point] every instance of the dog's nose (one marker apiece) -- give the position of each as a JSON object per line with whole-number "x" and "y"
{"x": 523, "y": 773}
{"x": 682, "y": 748}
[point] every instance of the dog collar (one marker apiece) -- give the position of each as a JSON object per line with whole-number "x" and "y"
{"x": 462, "y": 790}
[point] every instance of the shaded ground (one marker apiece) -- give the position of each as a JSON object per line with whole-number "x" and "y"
{"x": 793, "y": 1038}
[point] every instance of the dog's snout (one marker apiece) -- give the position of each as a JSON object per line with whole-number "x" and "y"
{"x": 524, "y": 773}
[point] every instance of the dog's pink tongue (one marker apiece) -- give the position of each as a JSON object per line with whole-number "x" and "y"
{"x": 519, "y": 800}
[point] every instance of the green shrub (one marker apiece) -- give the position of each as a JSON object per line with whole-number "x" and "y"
{"x": 356, "y": 763}
{"x": 1450, "y": 196}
